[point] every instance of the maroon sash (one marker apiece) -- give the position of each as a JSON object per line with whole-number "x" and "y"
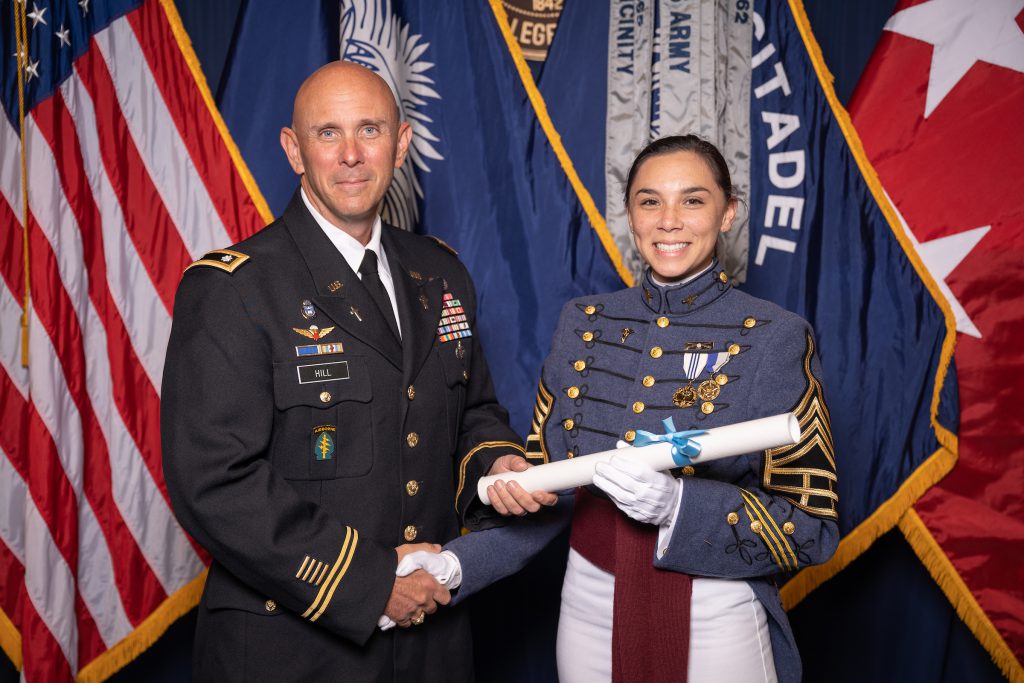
{"x": 651, "y": 610}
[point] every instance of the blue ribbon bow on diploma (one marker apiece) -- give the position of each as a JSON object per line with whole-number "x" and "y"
{"x": 684, "y": 449}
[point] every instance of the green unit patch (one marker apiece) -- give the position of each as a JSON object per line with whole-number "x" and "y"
{"x": 323, "y": 442}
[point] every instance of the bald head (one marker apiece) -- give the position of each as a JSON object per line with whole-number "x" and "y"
{"x": 342, "y": 77}
{"x": 345, "y": 143}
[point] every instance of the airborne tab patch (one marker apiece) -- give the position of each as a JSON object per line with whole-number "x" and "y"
{"x": 222, "y": 259}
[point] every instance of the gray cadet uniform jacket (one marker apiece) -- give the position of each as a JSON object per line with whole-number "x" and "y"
{"x": 707, "y": 355}
{"x": 300, "y": 456}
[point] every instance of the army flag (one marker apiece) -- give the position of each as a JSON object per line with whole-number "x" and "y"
{"x": 938, "y": 110}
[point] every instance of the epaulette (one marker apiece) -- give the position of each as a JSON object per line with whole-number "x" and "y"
{"x": 224, "y": 259}
{"x": 444, "y": 245}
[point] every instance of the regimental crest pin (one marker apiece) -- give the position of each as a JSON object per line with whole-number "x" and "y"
{"x": 314, "y": 332}
{"x": 308, "y": 312}
{"x": 323, "y": 442}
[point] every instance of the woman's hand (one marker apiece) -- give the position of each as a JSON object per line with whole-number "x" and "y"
{"x": 642, "y": 493}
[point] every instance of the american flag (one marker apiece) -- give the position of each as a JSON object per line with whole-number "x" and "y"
{"x": 116, "y": 172}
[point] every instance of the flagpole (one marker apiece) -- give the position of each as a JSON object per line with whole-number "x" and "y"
{"x": 21, "y": 42}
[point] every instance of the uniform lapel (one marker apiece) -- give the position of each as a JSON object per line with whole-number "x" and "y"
{"x": 340, "y": 293}
{"x": 419, "y": 302}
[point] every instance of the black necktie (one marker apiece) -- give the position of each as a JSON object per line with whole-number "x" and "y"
{"x": 371, "y": 280}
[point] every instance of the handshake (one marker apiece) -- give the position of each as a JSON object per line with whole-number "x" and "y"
{"x": 424, "y": 579}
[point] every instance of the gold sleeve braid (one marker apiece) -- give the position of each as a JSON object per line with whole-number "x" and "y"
{"x": 536, "y": 449}
{"x": 805, "y": 473}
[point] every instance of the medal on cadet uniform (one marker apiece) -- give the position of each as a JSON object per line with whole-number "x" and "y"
{"x": 684, "y": 397}
{"x": 308, "y": 312}
{"x": 314, "y": 332}
{"x": 708, "y": 390}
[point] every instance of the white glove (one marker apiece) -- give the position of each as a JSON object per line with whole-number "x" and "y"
{"x": 642, "y": 493}
{"x": 444, "y": 567}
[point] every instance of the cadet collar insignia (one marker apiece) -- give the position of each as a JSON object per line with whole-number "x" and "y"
{"x": 323, "y": 442}
{"x": 453, "y": 324}
{"x": 690, "y": 300}
{"x": 222, "y": 259}
{"x": 314, "y": 332}
{"x": 308, "y": 312}
{"x": 334, "y": 286}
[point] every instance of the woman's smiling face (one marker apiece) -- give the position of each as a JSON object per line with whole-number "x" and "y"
{"x": 676, "y": 210}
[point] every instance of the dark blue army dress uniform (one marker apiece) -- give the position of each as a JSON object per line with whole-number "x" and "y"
{"x": 303, "y": 441}
{"x": 706, "y": 355}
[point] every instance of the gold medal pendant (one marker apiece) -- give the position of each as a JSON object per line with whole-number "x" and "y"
{"x": 684, "y": 396}
{"x": 708, "y": 390}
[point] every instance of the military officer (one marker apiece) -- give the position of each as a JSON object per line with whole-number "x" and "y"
{"x": 326, "y": 401}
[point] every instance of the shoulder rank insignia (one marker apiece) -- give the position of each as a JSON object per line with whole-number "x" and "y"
{"x": 224, "y": 259}
{"x": 444, "y": 245}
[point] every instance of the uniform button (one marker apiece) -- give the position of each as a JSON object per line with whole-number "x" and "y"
{"x": 568, "y": 424}
{"x": 638, "y": 407}
{"x": 270, "y": 606}
{"x": 588, "y": 336}
{"x": 688, "y": 471}
{"x": 412, "y": 487}
{"x": 572, "y": 392}
{"x": 648, "y": 381}
{"x": 722, "y": 277}
{"x": 707, "y": 407}
{"x": 734, "y": 349}
{"x": 411, "y": 392}
{"x": 325, "y": 396}
{"x": 412, "y": 438}
{"x": 465, "y": 375}
{"x": 722, "y": 379}
{"x": 756, "y": 527}
{"x": 410, "y": 533}
{"x": 732, "y": 518}
{"x": 662, "y": 321}
{"x": 570, "y": 455}
{"x": 579, "y": 366}
{"x": 590, "y": 310}
{"x": 656, "y": 352}
{"x": 630, "y": 435}
{"x": 789, "y": 528}
{"x": 749, "y": 322}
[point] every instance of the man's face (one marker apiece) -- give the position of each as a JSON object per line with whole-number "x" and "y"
{"x": 346, "y": 142}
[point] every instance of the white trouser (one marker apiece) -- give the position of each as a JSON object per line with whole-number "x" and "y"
{"x": 728, "y": 629}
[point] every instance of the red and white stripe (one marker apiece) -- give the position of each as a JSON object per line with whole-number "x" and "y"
{"x": 129, "y": 180}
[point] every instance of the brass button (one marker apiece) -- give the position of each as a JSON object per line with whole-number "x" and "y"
{"x": 789, "y": 528}
{"x": 590, "y": 310}
{"x": 648, "y": 381}
{"x": 572, "y": 392}
{"x": 630, "y": 435}
{"x": 270, "y": 606}
{"x": 410, "y": 533}
{"x": 579, "y": 366}
{"x": 570, "y": 455}
{"x": 756, "y": 527}
{"x": 662, "y": 321}
{"x": 749, "y": 322}
{"x": 707, "y": 407}
{"x": 688, "y": 471}
{"x": 411, "y": 392}
{"x": 734, "y": 349}
{"x": 412, "y": 487}
{"x": 325, "y": 396}
{"x": 568, "y": 424}
{"x": 732, "y": 519}
{"x": 722, "y": 379}
{"x": 412, "y": 438}
{"x": 638, "y": 407}
{"x": 722, "y": 277}
{"x": 656, "y": 352}
{"x": 588, "y": 336}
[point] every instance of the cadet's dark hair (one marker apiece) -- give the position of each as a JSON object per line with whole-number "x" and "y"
{"x": 684, "y": 143}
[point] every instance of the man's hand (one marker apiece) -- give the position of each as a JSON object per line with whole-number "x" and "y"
{"x": 404, "y": 550}
{"x": 445, "y": 567}
{"x": 415, "y": 595}
{"x": 511, "y": 498}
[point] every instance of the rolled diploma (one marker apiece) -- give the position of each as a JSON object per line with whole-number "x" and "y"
{"x": 721, "y": 442}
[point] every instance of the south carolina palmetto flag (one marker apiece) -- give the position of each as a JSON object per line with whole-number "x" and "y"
{"x": 939, "y": 110}
{"x": 114, "y": 176}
